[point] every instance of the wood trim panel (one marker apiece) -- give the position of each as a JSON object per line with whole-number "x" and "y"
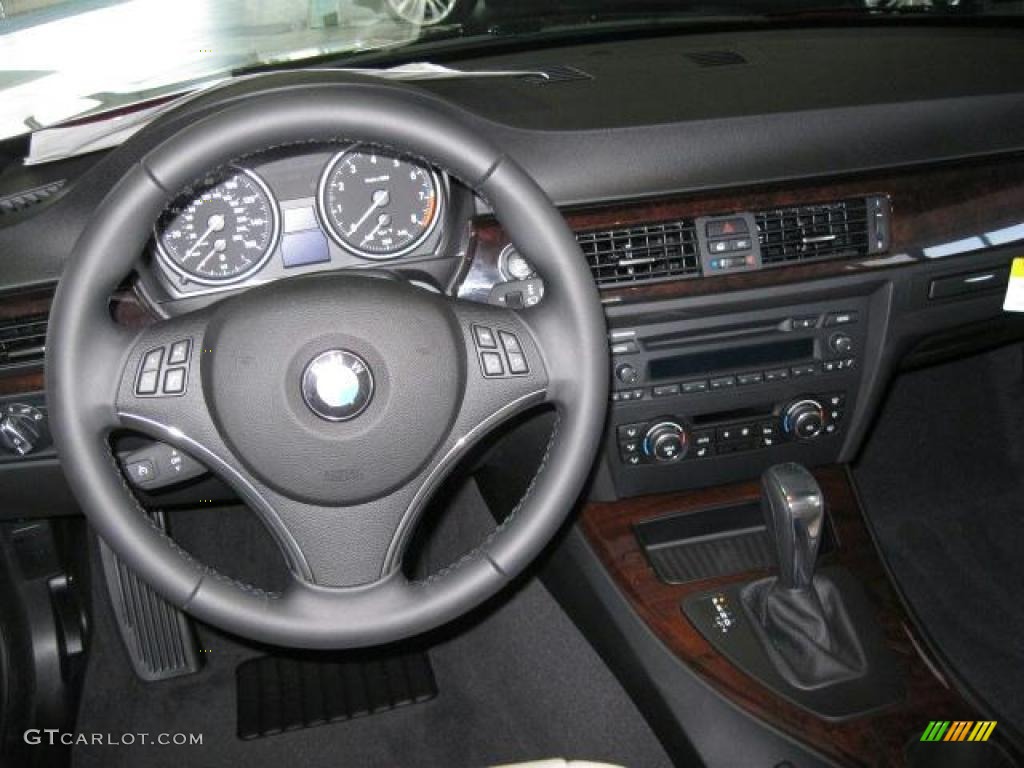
{"x": 930, "y": 206}
{"x": 126, "y": 308}
{"x": 873, "y": 740}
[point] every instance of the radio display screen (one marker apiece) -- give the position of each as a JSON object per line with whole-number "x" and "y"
{"x": 759, "y": 356}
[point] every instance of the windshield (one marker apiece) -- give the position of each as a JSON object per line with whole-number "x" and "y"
{"x": 64, "y": 59}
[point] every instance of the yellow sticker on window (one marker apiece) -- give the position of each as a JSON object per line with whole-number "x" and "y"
{"x": 1015, "y": 290}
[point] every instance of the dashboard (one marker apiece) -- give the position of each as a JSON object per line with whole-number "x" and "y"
{"x": 725, "y": 233}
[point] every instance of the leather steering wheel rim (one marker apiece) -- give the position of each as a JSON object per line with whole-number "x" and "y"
{"x": 90, "y": 359}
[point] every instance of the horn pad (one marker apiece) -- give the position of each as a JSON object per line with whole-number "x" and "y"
{"x": 334, "y": 389}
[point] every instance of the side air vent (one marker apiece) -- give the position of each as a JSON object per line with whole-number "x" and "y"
{"x": 641, "y": 253}
{"x": 22, "y": 340}
{"x": 836, "y": 230}
{"x": 22, "y": 200}
{"x": 715, "y": 58}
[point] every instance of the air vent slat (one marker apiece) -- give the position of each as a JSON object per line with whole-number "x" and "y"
{"x": 22, "y": 340}
{"x": 641, "y": 253}
{"x": 813, "y": 232}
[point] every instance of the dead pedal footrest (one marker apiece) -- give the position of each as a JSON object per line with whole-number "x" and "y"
{"x": 278, "y": 694}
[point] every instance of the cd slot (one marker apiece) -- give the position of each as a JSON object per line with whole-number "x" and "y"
{"x": 689, "y": 338}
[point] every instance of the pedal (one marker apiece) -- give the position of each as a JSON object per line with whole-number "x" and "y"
{"x": 158, "y": 637}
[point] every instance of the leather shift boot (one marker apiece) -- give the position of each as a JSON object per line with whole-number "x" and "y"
{"x": 807, "y": 632}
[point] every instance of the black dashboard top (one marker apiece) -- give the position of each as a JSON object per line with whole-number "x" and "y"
{"x": 682, "y": 79}
{"x": 654, "y": 117}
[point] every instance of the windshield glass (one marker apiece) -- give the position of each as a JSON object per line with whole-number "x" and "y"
{"x": 61, "y": 59}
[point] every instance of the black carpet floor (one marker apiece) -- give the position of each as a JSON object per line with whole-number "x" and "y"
{"x": 516, "y": 682}
{"x": 942, "y": 480}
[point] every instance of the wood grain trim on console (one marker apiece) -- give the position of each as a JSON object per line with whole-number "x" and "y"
{"x": 126, "y": 308}
{"x": 874, "y": 740}
{"x": 930, "y": 206}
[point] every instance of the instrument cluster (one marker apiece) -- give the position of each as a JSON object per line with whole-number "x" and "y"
{"x": 293, "y": 211}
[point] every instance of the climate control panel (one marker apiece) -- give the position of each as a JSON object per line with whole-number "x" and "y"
{"x": 675, "y": 437}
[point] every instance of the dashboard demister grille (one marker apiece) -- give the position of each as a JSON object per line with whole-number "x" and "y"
{"x": 641, "y": 253}
{"x": 813, "y": 232}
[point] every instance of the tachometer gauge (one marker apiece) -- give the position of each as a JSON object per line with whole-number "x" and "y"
{"x": 220, "y": 230}
{"x": 378, "y": 205}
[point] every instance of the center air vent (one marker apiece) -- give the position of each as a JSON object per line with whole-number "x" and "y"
{"x": 23, "y": 340}
{"x": 641, "y": 253}
{"x": 814, "y": 232}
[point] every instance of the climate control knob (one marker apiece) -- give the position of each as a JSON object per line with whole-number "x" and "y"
{"x": 665, "y": 442}
{"x": 804, "y": 419}
{"x": 22, "y": 429}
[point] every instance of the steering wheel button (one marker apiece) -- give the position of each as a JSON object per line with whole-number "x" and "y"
{"x": 510, "y": 343}
{"x": 484, "y": 337}
{"x": 148, "y": 382}
{"x": 517, "y": 363}
{"x": 151, "y": 362}
{"x": 141, "y": 472}
{"x": 179, "y": 352}
{"x": 174, "y": 381}
{"x": 492, "y": 364}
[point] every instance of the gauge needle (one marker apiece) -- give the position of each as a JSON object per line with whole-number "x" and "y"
{"x": 213, "y": 224}
{"x": 380, "y": 199}
{"x": 382, "y": 221}
{"x": 219, "y": 246}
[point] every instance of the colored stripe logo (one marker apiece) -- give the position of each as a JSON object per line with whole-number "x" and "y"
{"x": 958, "y": 730}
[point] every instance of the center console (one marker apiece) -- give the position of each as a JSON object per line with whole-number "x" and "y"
{"x": 698, "y": 401}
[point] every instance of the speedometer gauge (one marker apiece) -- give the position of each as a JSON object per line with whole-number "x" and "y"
{"x": 219, "y": 230}
{"x": 378, "y": 205}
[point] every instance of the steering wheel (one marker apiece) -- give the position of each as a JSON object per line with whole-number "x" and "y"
{"x": 333, "y": 404}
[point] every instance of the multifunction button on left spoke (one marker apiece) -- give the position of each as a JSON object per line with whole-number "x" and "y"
{"x": 164, "y": 370}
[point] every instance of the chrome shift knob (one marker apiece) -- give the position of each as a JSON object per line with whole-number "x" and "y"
{"x": 794, "y": 511}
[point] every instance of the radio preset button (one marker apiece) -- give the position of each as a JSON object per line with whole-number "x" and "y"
{"x": 665, "y": 390}
{"x": 779, "y": 374}
{"x": 691, "y": 387}
{"x": 723, "y": 382}
{"x": 746, "y": 379}
{"x": 804, "y": 323}
{"x": 804, "y": 370}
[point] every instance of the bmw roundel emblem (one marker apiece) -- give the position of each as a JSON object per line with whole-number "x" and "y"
{"x": 337, "y": 385}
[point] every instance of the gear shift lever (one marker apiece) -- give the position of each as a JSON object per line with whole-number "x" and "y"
{"x": 800, "y": 618}
{"x": 794, "y": 510}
